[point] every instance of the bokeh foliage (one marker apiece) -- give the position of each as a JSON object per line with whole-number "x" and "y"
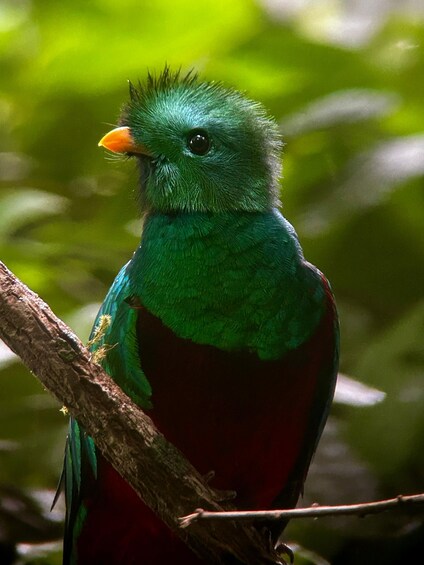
{"x": 346, "y": 82}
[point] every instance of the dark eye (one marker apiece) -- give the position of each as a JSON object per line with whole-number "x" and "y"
{"x": 198, "y": 142}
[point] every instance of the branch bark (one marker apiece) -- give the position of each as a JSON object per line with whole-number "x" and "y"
{"x": 125, "y": 435}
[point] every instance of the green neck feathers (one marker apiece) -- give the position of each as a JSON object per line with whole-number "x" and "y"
{"x": 235, "y": 280}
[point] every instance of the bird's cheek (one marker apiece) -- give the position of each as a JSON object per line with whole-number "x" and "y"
{"x": 161, "y": 184}
{"x": 166, "y": 173}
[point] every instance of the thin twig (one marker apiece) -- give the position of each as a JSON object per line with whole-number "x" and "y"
{"x": 314, "y": 511}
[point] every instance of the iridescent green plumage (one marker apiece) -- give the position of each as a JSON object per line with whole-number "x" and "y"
{"x": 245, "y": 148}
{"x": 217, "y": 319}
{"x": 245, "y": 277}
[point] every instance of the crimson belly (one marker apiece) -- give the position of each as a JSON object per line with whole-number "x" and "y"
{"x": 252, "y": 422}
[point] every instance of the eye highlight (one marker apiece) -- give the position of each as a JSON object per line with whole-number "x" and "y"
{"x": 198, "y": 142}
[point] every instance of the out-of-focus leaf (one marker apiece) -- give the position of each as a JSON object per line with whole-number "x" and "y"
{"x": 40, "y": 553}
{"x": 351, "y": 24}
{"x": 81, "y": 320}
{"x": 8, "y": 445}
{"x": 369, "y": 178}
{"x": 14, "y": 167}
{"x": 22, "y": 519}
{"x": 304, "y": 556}
{"x": 13, "y": 13}
{"x": 354, "y": 393}
{"x": 339, "y": 108}
{"x": 20, "y": 207}
{"x": 6, "y": 356}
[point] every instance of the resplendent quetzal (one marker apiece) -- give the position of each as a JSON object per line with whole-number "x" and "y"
{"x": 219, "y": 328}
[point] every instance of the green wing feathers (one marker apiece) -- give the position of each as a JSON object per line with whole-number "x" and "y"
{"x": 113, "y": 345}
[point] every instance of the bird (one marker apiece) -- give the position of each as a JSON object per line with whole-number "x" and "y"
{"x": 217, "y": 326}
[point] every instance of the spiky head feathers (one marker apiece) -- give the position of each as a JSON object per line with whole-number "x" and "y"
{"x": 210, "y": 148}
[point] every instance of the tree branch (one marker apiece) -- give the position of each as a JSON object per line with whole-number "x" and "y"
{"x": 125, "y": 435}
{"x": 314, "y": 511}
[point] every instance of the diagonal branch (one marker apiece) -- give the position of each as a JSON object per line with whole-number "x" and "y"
{"x": 126, "y": 436}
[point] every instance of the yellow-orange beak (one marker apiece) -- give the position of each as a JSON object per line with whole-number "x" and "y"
{"x": 119, "y": 140}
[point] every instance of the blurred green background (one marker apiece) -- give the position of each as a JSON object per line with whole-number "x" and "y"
{"x": 345, "y": 79}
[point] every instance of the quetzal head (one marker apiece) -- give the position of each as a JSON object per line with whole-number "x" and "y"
{"x": 201, "y": 147}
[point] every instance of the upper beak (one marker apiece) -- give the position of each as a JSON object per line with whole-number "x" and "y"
{"x": 119, "y": 140}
